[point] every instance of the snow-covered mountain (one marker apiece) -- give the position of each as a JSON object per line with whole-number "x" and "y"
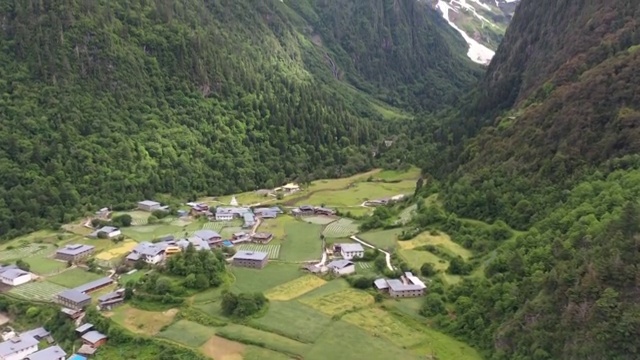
{"x": 482, "y": 23}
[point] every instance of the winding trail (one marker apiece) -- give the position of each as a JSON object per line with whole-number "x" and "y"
{"x": 386, "y": 254}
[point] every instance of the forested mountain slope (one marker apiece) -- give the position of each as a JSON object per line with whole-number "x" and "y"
{"x": 567, "y": 87}
{"x": 550, "y": 146}
{"x": 105, "y": 102}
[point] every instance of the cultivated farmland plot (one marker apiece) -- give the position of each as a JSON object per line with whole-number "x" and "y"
{"x": 341, "y": 228}
{"x": 337, "y": 303}
{"x": 42, "y": 290}
{"x": 365, "y": 265}
{"x": 139, "y": 221}
{"x": 295, "y": 288}
{"x": 215, "y": 226}
{"x": 24, "y": 251}
{"x": 272, "y": 250}
{"x": 320, "y": 220}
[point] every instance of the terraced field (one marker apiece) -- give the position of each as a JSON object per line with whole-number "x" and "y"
{"x": 40, "y": 290}
{"x": 341, "y": 228}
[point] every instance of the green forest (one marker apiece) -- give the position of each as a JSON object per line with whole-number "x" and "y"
{"x": 104, "y": 103}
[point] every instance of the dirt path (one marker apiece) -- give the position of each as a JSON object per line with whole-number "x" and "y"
{"x": 386, "y": 254}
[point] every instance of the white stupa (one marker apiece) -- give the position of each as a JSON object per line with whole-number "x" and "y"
{"x": 233, "y": 202}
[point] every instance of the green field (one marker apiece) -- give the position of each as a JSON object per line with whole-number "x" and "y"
{"x": 357, "y": 193}
{"x": 270, "y": 340}
{"x": 38, "y": 290}
{"x": 440, "y": 240}
{"x": 74, "y": 277}
{"x": 415, "y": 259}
{"x": 339, "y": 302}
{"x": 274, "y": 274}
{"x": 150, "y": 232}
{"x": 294, "y": 320}
{"x": 319, "y": 220}
{"x": 385, "y": 239}
{"x": 272, "y": 250}
{"x": 330, "y": 287}
{"x": 302, "y": 242}
{"x": 43, "y": 265}
{"x": 340, "y": 228}
{"x": 21, "y": 252}
{"x": 346, "y": 341}
{"x": 187, "y": 333}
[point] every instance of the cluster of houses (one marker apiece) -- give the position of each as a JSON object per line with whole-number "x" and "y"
{"x": 26, "y": 346}
{"x": 307, "y": 210}
{"x": 77, "y": 299}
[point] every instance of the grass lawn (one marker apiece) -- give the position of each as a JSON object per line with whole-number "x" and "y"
{"x": 294, "y": 320}
{"x": 187, "y": 333}
{"x": 74, "y": 277}
{"x": 277, "y": 226}
{"x": 141, "y": 321}
{"x": 274, "y": 274}
{"x": 273, "y": 341}
{"x": 318, "y": 220}
{"x": 346, "y": 341}
{"x": 385, "y": 239}
{"x": 43, "y": 265}
{"x": 302, "y": 242}
{"x": 415, "y": 259}
{"x": 441, "y": 240}
{"x": 294, "y": 288}
{"x": 339, "y": 302}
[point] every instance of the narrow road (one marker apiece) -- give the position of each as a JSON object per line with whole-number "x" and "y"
{"x": 386, "y": 254}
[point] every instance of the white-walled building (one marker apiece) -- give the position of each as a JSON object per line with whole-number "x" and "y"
{"x": 18, "y": 348}
{"x": 12, "y": 275}
{"x": 148, "y": 252}
{"x": 342, "y": 267}
{"x": 110, "y": 231}
{"x": 350, "y": 251}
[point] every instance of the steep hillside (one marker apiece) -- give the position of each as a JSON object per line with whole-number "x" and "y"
{"x": 550, "y": 146}
{"x": 567, "y": 89}
{"x": 400, "y": 51}
{"x": 108, "y": 102}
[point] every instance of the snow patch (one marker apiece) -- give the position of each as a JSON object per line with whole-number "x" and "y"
{"x": 477, "y": 52}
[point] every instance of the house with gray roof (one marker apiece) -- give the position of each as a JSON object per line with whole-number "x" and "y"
{"x": 199, "y": 243}
{"x": 149, "y": 205}
{"x": 407, "y": 286}
{"x": 268, "y": 212}
{"x": 350, "y": 250}
{"x": 84, "y": 328}
{"x": 251, "y": 259}
{"x": 94, "y": 338}
{"x": 50, "y": 353}
{"x": 111, "y": 300}
{"x": 38, "y": 333}
{"x": 224, "y": 213}
{"x": 342, "y": 267}
{"x": 18, "y": 347}
{"x": 249, "y": 220}
{"x": 109, "y": 231}
{"x": 74, "y": 252}
{"x": 147, "y": 252}
{"x": 14, "y": 277}
{"x": 73, "y": 299}
{"x": 208, "y": 235}
{"x": 94, "y": 285}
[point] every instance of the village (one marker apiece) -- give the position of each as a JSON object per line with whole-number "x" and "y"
{"x": 298, "y": 242}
